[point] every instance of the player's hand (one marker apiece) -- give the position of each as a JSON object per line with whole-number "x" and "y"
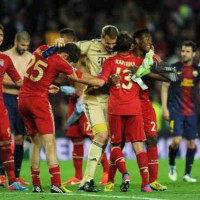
{"x": 53, "y": 89}
{"x": 150, "y": 53}
{"x": 114, "y": 80}
{"x": 166, "y": 114}
{"x": 132, "y": 69}
{"x": 59, "y": 42}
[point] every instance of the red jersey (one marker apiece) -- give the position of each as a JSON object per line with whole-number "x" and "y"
{"x": 124, "y": 97}
{"x": 6, "y": 66}
{"x": 42, "y": 72}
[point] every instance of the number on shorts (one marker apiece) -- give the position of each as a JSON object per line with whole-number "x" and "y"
{"x": 153, "y": 126}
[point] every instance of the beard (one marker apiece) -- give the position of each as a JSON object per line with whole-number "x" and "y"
{"x": 20, "y": 51}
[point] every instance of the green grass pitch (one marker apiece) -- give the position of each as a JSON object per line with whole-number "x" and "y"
{"x": 176, "y": 190}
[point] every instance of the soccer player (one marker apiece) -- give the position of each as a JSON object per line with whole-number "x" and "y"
{"x": 6, "y": 66}
{"x": 124, "y": 110}
{"x": 77, "y": 124}
{"x": 38, "y": 119}
{"x": 183, "y": 108}
{"x": 142, "y": 41}
{"x": 95, "y": 100}
{"x": 20, "y": 57}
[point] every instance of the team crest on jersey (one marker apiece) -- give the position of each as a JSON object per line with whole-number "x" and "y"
{"x": 1, "y": 63}
{"x": 195, "y": 73}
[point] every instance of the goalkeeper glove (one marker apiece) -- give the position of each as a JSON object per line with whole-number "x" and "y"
{"x": 144, "y": 69}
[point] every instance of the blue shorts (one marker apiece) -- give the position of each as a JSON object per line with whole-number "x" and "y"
{"x": 184, "y": 125}
{"x": 16, "y": 123}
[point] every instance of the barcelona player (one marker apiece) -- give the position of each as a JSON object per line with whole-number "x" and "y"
{"x": 181, "y": 107}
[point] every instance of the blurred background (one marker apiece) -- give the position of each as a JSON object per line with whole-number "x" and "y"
{"x": 169, "y": 21}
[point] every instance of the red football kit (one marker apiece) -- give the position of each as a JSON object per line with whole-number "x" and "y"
{"x": 148, "y": 112}
{"x": 81, "y": 127}
{"x": 6, "y": 66}
{"x": 33, "y": 102}
{"x": 124, "y": 107}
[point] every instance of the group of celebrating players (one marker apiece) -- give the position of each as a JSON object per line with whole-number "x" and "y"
{"x": 108, "y": 83}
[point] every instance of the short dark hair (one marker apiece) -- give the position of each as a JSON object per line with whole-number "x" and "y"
{"x": 22, "y": 35}
{"x": 72, "y": 50}
{"x": 110, "y": 30}
{"x": 1, "y": 27}
{"x": 190, "y": 43}
{"x": 139, "y": 33}
{"x": 124, "y": 41}
{"x": 68, "y": 32}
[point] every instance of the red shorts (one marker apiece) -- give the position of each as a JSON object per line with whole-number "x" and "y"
{"x": 37, "y": 115}
{"x": 126, "y": 128}
{"x": 80, "y": 129}
{"x": 5, "y": 132}
{"x": 149, "y": 117}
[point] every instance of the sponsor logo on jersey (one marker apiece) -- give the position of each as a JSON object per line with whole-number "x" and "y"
{"x": 187, "y": 83}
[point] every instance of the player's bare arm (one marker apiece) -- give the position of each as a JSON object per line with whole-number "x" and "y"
{"x": 87, "y": 79}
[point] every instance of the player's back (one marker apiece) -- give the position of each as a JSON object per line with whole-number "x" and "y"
{"x": 41, "y": 73}
{"x": 124, "y": 97}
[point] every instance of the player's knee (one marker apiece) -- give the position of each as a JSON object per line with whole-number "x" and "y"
{"x": 102, "y": 137}
{"x": 18, "y": 139}
{"x": 101, "y": 133}
{"x": 151, "y": 141}
{"x": 191, "y": 144}
{"x": 175, "y": 142}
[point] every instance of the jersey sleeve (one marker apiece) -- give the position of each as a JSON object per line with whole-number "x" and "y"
{"x": 79, "y": 74}
{"x": 157, "y": 58}
{"x": 84, "y": 46}
{"x": 63, "y": 65}
{"x": 106, "y": 70}
{"x": 42, "y": 48}
{"x": 11, "y": 71}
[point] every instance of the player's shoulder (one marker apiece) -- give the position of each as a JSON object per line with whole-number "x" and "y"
{"x": 4, "y": 60}
{"x": 92, "y": 41}
{"x": 8, "y": 52}
{"x": 3, "y": 55}
{"x": 28, "y": 53}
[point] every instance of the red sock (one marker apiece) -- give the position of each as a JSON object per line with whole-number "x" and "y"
{"x": 35, "y": 173}
{"x": 112, "y": 172}
{"x": 142, "y": 161}
{"x": 8, "y": 162}
{"x": 152, "y": 153}
{"x": 77, "y": 155}
{"x": 55, "y": 175}
{"x": 105, "y": 164}
{"x": 118, "y": 157}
